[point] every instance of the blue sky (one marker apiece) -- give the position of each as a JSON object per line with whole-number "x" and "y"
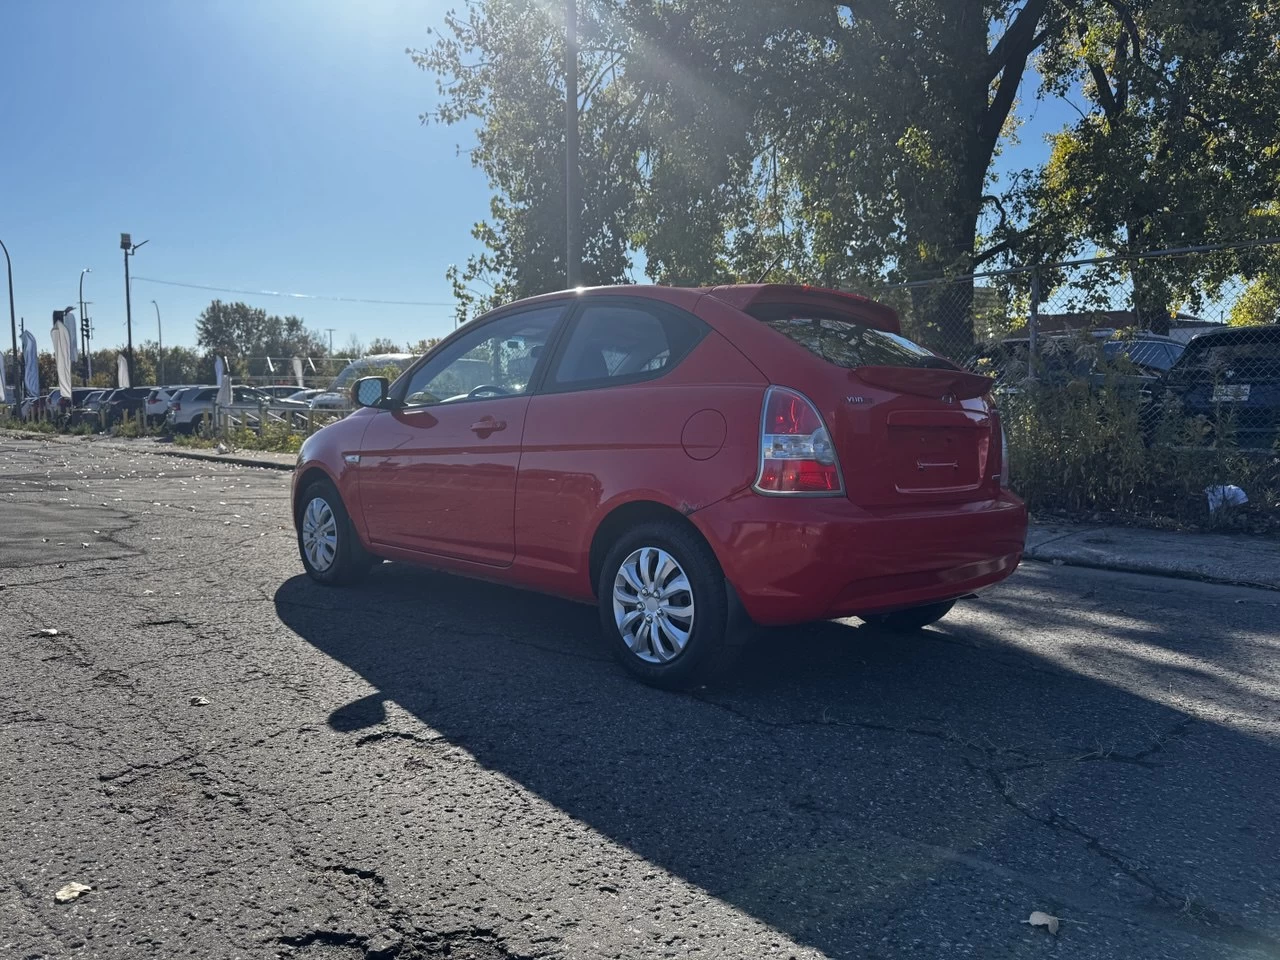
{"x": 257, "y": 144}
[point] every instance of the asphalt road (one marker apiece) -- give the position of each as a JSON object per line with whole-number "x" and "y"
{"x": 425, "y": 766}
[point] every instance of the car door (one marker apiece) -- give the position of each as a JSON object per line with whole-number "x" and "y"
{"x": 609, "y": 415}
{"x": 437, "y": 473}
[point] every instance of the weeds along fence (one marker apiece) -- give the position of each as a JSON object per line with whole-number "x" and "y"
{"x": 1108, "y": 405}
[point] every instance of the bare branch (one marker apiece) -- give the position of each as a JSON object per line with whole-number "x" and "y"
{"x": 1019, "y": 40}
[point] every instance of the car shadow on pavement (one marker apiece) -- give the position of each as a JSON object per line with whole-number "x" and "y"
{"x": 844, "y": 785}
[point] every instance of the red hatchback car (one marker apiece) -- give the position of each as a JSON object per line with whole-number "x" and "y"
{"x": 687, "y": 459}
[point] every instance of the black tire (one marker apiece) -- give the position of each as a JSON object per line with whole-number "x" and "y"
{"x": 351, "y": 562}
{"x": 711, "y": 647}
{"x": 911, "y": 619}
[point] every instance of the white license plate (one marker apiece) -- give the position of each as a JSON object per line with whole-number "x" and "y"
{"x": 1231, "y": 393}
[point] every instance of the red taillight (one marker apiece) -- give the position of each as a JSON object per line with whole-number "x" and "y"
{"x": 796, "y": 453}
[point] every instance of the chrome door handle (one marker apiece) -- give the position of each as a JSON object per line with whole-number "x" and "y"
{"x": 488, "y": 425}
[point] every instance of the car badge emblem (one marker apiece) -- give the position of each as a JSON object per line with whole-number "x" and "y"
{"x": 855, "y": 400}
{"x": 948, "y": 398}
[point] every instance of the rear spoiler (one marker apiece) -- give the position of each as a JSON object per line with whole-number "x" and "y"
{"x": 932, "y": 382}
{"x": 873, "y": 314}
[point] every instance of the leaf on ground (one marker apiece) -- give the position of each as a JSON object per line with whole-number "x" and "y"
{"x": 72, "y": 891}
{"x": 47, "y": 632}
{"x": 1041, "y": 919}
{"x": 200, "y": 701}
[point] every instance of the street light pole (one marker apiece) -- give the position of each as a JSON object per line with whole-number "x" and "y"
{"x": 572, "y": 176}
{"x": 129, "y": 248}
{"x": 13, "y": 326}
{"x": 84, "y": 328}
{"x": 160, "y": 340}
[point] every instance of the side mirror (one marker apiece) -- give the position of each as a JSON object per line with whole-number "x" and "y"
{"x": 369, "y": 392}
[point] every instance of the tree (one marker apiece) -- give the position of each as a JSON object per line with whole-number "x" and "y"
{"x": 829, "y": 140}
{"x": 850, "y": 142}
{"x": 181, "y": 364}
{"x": 423, "y": 346}
{"x": 1179, "y": 146}
{"x": 247, "y": 336}
{"x": 384, "y": 345}
{"x": 1259, "y": 304}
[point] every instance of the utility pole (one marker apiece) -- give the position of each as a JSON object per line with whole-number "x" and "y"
{"x": 84, "y": 329}
{"x": 572, "y": 177}
{"x": 160, "y": 341}
{"x": 129, "y": 248}
{"x": 329, "y": 330}
{"x": 13, "y": 326}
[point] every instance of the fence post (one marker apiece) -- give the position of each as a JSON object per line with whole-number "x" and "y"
{"x": 1033, "y": 325}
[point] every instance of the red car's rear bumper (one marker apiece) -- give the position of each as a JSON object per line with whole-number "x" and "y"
{"x": 798, "y": 560}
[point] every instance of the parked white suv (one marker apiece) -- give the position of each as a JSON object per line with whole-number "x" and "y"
{"x": 157, "y": 402}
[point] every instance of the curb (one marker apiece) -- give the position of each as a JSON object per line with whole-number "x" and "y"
{"x": 189, "y": 454}
{"x": 1151, "y": 570}
{"x": 224, "y": 458}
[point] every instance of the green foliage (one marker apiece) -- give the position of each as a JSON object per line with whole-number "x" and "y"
{"x": 1098, "y": 448}
{"x": 239, "y": 332}
{"x": 842, "y": 143}
{"x": 731, "y": 141}
{"x": 384, "y": 345}
{"x": 1178, "y": 145}
{"x": 1259, "y": 304}
{"x": 273, "y": 438}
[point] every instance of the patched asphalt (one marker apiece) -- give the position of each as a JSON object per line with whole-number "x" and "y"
{"x": 425, "y": 766}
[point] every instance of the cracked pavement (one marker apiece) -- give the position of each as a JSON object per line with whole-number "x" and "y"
{"x": 428, "y": 767}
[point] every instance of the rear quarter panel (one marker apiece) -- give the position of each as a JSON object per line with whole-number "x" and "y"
{"x": 588, "y": 452}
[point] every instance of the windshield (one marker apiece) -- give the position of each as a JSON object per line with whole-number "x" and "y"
{"x": 847, "y": 343}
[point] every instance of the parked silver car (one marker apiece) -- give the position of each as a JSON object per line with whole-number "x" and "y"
{"x": 194, "y": 405}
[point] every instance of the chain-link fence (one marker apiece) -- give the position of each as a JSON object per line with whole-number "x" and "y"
{"x": 1128, "y": 383}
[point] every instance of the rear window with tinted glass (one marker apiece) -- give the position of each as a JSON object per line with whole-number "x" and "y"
{"x": 844, "y": 341}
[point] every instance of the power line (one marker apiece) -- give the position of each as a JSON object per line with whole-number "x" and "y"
{"x": 296, "y": 296}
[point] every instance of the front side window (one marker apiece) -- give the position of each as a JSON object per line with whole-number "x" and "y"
{"x": 497, "y": 359}
{"x": 624, "y": 342}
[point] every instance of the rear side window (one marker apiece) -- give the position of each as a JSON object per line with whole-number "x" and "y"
{"x": 843, "y": 341}
{"x": 625, "y": 342}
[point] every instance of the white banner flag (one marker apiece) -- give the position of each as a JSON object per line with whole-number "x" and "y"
{"x": 30, "y": 364}
{"x": 62, "y": 357}
{"x": 219, "y": 371}
{"x": 69, "y": 321}
{"x": 122, "y": 371}
{"x": 297, "y": 372}
{"x": 4, "y": 378}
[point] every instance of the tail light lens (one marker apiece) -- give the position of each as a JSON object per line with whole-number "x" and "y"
{"x": 1002, "y": 468}
{"x": 796, "y": 453}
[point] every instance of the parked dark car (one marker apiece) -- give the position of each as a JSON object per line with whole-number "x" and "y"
{"x": 1233, "y": 374}
{"x": 1075, "y": 356}
{"x": 124, "y": 403}
{"x": 85, "y": 410}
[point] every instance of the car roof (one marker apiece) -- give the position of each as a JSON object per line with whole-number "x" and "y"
{"x": 740, "y": 296}
{"x": 1269, "y": 333}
